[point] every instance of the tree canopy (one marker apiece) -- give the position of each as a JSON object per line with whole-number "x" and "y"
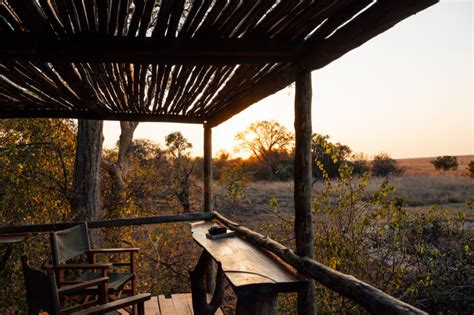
{"x": 266, "y": 140}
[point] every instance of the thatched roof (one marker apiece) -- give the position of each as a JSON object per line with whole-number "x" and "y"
{"x": 172, "y": 60}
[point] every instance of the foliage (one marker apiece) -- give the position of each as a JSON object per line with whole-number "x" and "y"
{"x": 235, "y": 180}
{"x": 144, "y": 181}
{"x": 178, "y": 150}
{"x": 36, "y": 162}
{"x": 445, "y": 163}
{"x": 359, "y": 164}
{"x": 470, "y": 168}
{"x": 422, "y": 258}
{"x": 267, "y": 141}
{"x": 327, "y": 157}
{"x": 383, "y": 165}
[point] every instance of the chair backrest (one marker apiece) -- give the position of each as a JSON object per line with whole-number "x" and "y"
{"x": 39, "y": 290}
{"x": 69, "y": 243}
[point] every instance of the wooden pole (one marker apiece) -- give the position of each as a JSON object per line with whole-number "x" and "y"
{"x": 303, "y": 181}
{"x": 208, "y": 193}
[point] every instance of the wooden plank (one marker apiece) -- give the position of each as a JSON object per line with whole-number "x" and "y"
{"x": 166, "y": 306}
{"x": 151, "y": 306}
{"x": 246, "y": 266}
{"x": 177, "y": 304}
{"x": 14, "y": 238}
{"x": 182, "y": 304}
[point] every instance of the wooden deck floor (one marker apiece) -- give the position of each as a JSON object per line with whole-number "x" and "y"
{"x": 178, "y": 304}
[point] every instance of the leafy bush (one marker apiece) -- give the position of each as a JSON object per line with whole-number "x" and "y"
{"x": 445, "y": 163}
{"x": 235, "y": 180}
{"x": 327, "y": 156}
{"x": 423, "y": 258}
{"x": 36, "y": 162}
{"x": 470, "y": 168}
{"x": 359, "y": 164}
{"x": 383, "y": 165}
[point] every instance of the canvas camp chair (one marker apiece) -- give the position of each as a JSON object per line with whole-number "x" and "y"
{"x": 74, "y": 242}
{"x": 43, "y": 295}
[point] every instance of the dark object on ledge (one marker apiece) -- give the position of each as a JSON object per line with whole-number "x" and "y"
{"x": 221, "y": 235}
{"x": 217, "y": 230}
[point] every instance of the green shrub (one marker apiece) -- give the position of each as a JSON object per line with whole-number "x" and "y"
{"x": 424, "y": 258}
{"x": 445, "y": 163}
{"x": 383, "y": 165}
{"x": 327, "y": 156}
{"x": 359, "y": 164}
{"x": 470, "y": 168}
{"x": 234, "y": 180}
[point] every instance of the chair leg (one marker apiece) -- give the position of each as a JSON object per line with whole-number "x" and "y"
{"x": 134, "y": 292}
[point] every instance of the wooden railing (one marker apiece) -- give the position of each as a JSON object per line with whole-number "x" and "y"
{"x": 97, "y": 224}
{"x": 372, "y": 299}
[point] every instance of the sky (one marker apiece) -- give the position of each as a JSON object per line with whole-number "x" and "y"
{"x": 407, "y": 92}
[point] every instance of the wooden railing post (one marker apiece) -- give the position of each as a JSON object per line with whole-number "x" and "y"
{"x": 208, "y": 169}
{"x": 303, "y": 181}
{"x": 208, "y": 195}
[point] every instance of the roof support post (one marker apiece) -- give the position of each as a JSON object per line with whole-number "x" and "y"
{"x": 303, "y": 180}
{"x": 208, "y": 195}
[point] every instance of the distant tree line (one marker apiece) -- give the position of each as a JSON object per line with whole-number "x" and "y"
{"x": 271, "y": 147}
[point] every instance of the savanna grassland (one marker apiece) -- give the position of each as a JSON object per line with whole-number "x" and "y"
{"x": 420, "y": 185}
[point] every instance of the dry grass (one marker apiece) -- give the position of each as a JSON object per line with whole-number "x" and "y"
{"x": 422, "y": 166}
{"x": 427, "y": 190}
{"x": 420, "y": 192}
{"x": 421, "y": 186}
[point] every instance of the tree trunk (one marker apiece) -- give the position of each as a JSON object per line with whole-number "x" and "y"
{"x": 85, "y": 199}
{"x": 118, "y": 171}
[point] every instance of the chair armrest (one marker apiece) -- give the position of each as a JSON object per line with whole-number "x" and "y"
{"x": 113, "y": 250}
{"x": 102, "y": 309}
{"x": 83, "y": 266}
{"x": 82, "y": 285}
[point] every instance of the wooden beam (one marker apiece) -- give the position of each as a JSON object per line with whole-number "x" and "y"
{"x": 100, "y": 115}
{"x": 208, "y": 192}
{"x": 372, "y": 299}
{"x": 303, "y": 181}
{"x": 102, "y": 48}
{"x": 383, "y": 15}
{"x": 36, "y": 228}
